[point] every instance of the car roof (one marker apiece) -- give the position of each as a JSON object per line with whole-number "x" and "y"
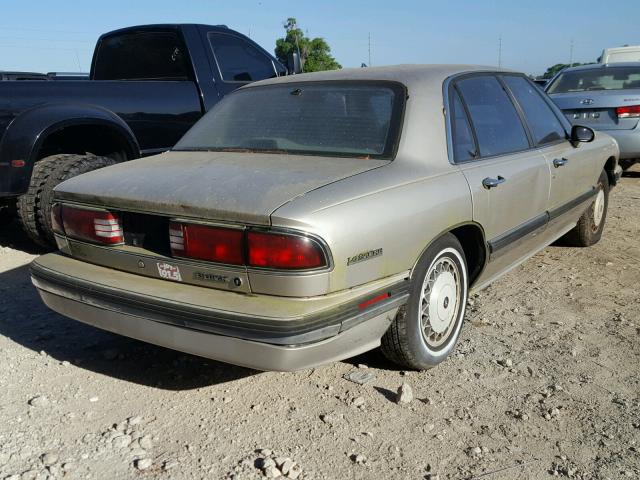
{"x": 592, "y": 66}
{"x": 409, "y": 75}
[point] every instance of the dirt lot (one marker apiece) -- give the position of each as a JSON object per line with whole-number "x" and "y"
{"x": 544, "y": 382}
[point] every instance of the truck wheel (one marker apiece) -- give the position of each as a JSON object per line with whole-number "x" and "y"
{"x": 426, "y": 329}
{"x": 591, "y": 224}
{"x": 67, "y": 166}
{"x": 29, "y": 204}
{"x": 34, "y": 207}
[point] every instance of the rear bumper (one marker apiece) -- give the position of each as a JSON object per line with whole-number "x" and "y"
{"x": 324, "y": 330}
{"x": 628, "y": 142}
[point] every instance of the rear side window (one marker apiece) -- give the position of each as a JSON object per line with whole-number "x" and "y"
{"x": 464, "y": 147}
{"x": 493, "y": 116}
{"x": 238, "y": 60}
{"x": 545, "y": 126}
{"x": 142, "y": 56}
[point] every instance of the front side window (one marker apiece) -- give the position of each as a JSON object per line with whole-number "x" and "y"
{"x": 360, "y": 119}
{"x": 494, "y": 118}
{"x": 597, "y": 78}
{"x": 545, "y": 126}
{"x": 142, "y": 56}
{"x": 238, "y": 60}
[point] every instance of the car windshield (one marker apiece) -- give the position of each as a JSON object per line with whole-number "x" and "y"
{"x": 356, "y": 118}
{"x": 599, "y": 78}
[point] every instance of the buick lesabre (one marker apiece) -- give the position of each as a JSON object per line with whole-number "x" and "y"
{"x": 310, "y": 218}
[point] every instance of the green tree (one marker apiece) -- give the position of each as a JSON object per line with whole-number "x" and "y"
{"x": 315, "y": 53}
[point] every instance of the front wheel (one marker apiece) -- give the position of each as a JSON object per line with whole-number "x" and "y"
{"x": 590, "y": 226}
{"x": 426, "y": 329}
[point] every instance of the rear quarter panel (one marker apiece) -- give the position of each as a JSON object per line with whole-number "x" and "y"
{"x": 395, "y": 210}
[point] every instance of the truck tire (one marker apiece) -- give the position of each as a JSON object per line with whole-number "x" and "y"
{"x": 29, "y": 204}
{"x": 426, "y": 329}
{"x": 589, "y": 228}
{"x": 34, "y": 207}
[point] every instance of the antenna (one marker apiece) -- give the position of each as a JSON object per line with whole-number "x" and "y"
{"x": 369, "y": 49}
{"x": 571, "y": 53}
{"x": 500, "y": 51}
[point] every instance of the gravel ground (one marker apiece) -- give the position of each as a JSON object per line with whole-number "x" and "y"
{"x": 545, "y": 382}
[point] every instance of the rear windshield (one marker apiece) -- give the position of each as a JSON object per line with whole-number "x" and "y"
{"x": 610, "y": 78}
{"x": 359, "y": 119}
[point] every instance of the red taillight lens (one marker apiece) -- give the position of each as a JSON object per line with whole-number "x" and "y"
{"x": 201, "y": 242}
{"x": 56, "y": 219}
{"x": 282, "y": 251}
{"x": 632, "y": 111}
{"x": 97, "y": 226}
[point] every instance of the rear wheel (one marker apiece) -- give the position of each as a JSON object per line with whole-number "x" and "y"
{"x": 590, "y": 226}
{"x": 427, "y": 328}
{"x": 34, "y": 207}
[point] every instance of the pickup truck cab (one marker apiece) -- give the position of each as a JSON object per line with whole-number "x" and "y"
{"x": 147, "y": 86}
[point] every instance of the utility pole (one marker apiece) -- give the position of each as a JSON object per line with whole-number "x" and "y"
{"x": 500, "y": 51}
{"x": 571, "y": 53}
{"x": 369, "y": 50}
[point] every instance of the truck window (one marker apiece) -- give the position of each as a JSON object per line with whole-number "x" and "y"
{"x": 142, "y": 56}
{"x": 238, "y": 60}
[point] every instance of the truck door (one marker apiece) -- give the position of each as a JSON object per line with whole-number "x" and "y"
{"x": 236, "y": 60}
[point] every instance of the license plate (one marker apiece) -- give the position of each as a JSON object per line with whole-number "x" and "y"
{"x": 169, "y": 272}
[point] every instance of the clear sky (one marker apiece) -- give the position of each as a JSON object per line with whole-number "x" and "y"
{"x": 38, "y": 35}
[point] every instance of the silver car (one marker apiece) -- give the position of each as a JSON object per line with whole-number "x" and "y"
{"x": 603, "y": 97}
{"x": 311, "y": 218}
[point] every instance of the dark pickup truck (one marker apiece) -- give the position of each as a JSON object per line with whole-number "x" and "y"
{"x": 147, "y": 86}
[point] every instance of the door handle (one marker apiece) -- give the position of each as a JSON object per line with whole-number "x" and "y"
{"x": 558, "y": 162}
{"x": 493, "y": 182}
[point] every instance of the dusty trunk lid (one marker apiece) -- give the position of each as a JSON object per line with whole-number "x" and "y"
{"x": 227, "y": 186}
{"x": 597, "y": 108}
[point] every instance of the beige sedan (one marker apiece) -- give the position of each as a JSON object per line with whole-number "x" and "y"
{"x": 311, "y": 218}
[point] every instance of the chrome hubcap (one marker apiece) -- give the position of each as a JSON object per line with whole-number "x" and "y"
{"x": 440, "y": 301}
{"x": 598, "y": 209}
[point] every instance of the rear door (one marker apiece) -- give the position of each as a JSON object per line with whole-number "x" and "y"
{"x": 508, "y": 178}
{"x": 148, "y": 72}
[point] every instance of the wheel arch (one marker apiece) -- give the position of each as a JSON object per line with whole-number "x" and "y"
{"x": 474, "y": 246}
{"x": 32, "y": 136}
{"x": 610, "y": 168}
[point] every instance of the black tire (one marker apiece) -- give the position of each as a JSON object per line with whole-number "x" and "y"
{"x": 587, "y": 232}
{"x": 410, "y": 342}
{"x": 34, "y": 207}
{"x": 29, "y": 204}
{"x": 626, "y": 164}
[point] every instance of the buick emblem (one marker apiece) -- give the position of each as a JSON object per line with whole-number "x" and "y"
{"x": 586, "y": 101}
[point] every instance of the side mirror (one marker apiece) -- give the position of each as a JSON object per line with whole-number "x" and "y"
{"x": 581, "y": 134}
{"x": 294, "y": 65}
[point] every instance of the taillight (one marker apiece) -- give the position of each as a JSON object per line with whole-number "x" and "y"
{"x": 56, "y": 219}
{"x": 283, "y": 251}
{"x": 201, "y": 242}
{"x": 97, "y": 226}
{"x": 632, "y": 111}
